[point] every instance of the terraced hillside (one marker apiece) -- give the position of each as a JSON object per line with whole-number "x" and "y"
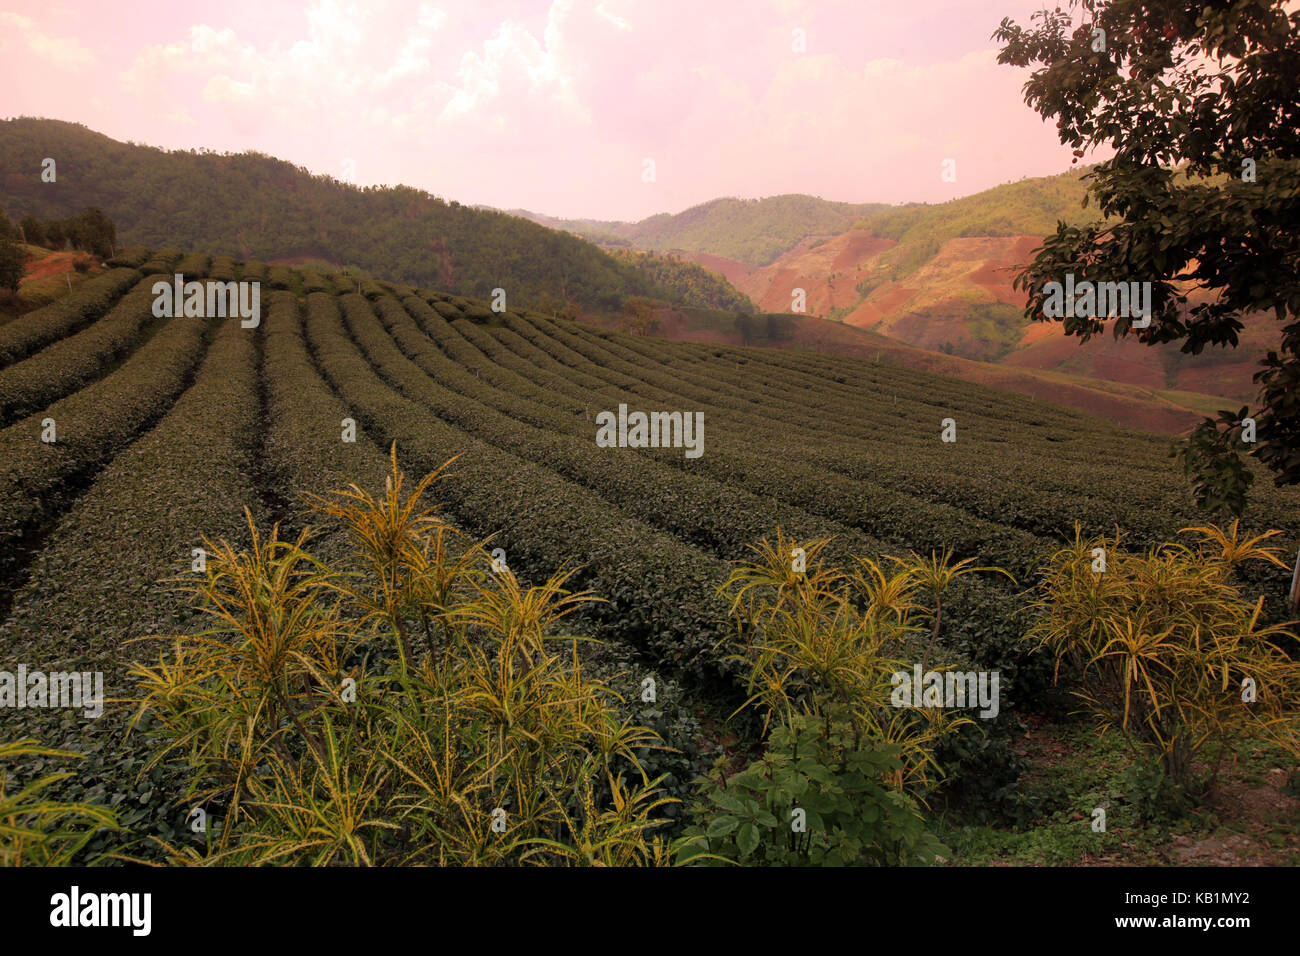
{"x": 167, "y": 427}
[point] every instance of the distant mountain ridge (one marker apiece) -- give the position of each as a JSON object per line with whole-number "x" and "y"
{"x": 751, "y": 231}
{"x": 939, "y": 277}
{"x": 257, "y": 207}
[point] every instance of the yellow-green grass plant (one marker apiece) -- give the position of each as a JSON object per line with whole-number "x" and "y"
{"x": 815, "y": 640}
{"x": 319, "y": 733}
{"x": 1169, "y": 649}
{"x": 38, "y": 831}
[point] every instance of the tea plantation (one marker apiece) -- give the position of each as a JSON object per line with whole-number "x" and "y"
{"x": 164, "y": 429}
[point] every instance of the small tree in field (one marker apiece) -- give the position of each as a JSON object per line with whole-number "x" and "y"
{"x": 33, "y": 231}
{"x": 640, "y": 315}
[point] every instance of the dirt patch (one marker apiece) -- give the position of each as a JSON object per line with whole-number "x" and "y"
{"x": 56, "y": 263}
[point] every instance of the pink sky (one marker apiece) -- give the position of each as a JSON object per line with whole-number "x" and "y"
{"x": 553, "y": 106}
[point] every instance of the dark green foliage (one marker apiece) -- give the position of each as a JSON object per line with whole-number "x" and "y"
{"x": 194, "y": 266}
{"x": 819, "y": 766}
{"x": 313, "y": 282}
{"x": 105, "y": 569}
{"x": 62, "y": 317}
{"x": 71, "y": 362}
{"x": 163, "y": 260}
{"x": 1218, "y": 477}
{"x": 1203, "y": 192}
{"x": 92, "y": 425}
{"x": 694, "y": 284}
{"x": 222, "y": 269}
{"x": 32, "y": 231}
{"x": 1154, "y": 797}
{"x": 11, "y": 264}
{"x": 373, "y": 290}
{"x": 280, "y": 277}
{"x": 982, "y": 773}
{"x": 479, "y": 314}
{"x": 57, "y": 235}
{"x": 91, "y": 231}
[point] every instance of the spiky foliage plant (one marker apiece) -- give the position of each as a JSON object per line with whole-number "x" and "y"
{"x": 410, "y": 706}
{"x": 1169, "y": 649}
{"x": 38, "y": 831}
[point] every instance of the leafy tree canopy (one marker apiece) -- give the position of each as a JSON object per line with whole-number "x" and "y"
{"x": 1202, "y": 197}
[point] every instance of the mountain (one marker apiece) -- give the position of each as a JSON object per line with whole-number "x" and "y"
{"x": 254, "y": 206}
{"x": 939, "y": 277}
{"x": 749, "y": 231}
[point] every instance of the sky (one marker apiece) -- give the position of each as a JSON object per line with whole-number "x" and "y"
{"x": 602, "y": 109}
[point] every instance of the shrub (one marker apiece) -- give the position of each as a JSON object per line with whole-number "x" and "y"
{"x": 816, "y": 799}
{"x": 163, "y": 261}
{"x": 820, "y": 648}
{"x": 405, "y": 707}
{"x": 279, "y": 277}
{"x": 64, "y": 316}
{"x": 1169, "y": 649}
{"x": 817, "y": 639}
{"x": 67, "y": 364}
{"x": 12, "y": 262}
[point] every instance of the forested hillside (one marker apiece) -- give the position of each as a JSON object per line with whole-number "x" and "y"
{"x": 257, "y": 207}
{"x": 752, "y": 231}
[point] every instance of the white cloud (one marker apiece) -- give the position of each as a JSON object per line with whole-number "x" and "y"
{"x": 67, "y": 53}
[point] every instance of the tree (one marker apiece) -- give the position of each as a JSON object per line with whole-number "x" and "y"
{"x": 100, "y": 233}
{"x": 1202, "y": 197}
{"x": 11, "y": 264}
{"x": 92, "y": 231}
{"x": 640, "y": 315}
{"x": 780, "y": 327}
{"x": 33, "y": 231}
{"x": 55, "y": 236}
